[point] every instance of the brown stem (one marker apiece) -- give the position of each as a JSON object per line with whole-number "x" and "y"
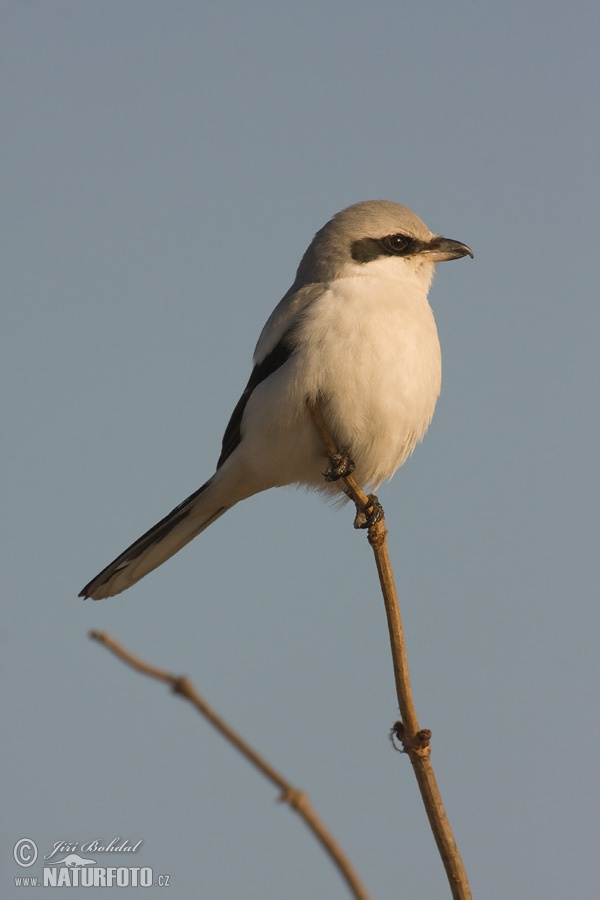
{"x": 295, "y": 798}
{"x": 415, "y": 741}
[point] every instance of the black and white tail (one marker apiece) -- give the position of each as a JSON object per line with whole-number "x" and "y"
{"x": 162, "y": 541}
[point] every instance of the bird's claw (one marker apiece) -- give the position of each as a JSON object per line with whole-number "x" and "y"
{"x": 370, "y": 515}
{"x": 340, "y": 465}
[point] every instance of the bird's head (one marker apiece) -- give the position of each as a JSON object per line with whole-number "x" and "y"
{"x": 375, "y": 236}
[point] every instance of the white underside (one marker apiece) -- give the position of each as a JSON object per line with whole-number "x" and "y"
{"x": 378, "y": 372}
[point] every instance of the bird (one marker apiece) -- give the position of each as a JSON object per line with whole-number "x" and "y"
{"x": 354, "y": 334}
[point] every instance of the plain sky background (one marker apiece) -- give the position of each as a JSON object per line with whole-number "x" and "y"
{"x": 164, "y": 166}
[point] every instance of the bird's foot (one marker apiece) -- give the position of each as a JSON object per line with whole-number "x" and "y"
{"x": 370, "y": 515}
{"x": 340, "y": 465}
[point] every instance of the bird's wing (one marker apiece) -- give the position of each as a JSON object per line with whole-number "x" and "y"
{"x": 275, "y": 359}
{"x": 274, "y": 348}
{"x": 285, "y": 317}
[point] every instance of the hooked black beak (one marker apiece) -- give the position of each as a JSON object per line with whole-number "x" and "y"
{"x": 439, "y": 249}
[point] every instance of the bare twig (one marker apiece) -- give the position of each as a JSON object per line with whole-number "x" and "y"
{"x": 414, "y": 740}
{"x": 298, "y": 800}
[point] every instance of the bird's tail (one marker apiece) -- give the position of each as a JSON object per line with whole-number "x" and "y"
{"x": 163, "y": 540}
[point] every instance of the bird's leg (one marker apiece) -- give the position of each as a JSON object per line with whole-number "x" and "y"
{"x": 370, "y": 514}
{"x": 340, "y": 465}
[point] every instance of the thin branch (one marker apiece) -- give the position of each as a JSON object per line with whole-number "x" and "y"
{"x": 298, "y": 800}
{"x": 414, "y": 740}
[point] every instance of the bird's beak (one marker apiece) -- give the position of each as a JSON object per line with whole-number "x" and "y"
{"x": 440, "y": 248}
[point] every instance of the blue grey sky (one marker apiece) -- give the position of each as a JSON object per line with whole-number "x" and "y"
{"x": 164, "y": 167}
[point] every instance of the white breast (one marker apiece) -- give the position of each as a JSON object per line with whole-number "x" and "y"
{"x": 370, "y": 348}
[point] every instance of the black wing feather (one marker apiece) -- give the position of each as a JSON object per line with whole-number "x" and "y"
{"x": 273, "y": 361}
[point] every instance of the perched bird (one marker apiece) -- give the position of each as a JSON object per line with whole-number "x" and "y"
{"x": 355, "y": 332}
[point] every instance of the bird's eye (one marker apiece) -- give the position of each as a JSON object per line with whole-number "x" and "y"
{"x": 396, "y": 243}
